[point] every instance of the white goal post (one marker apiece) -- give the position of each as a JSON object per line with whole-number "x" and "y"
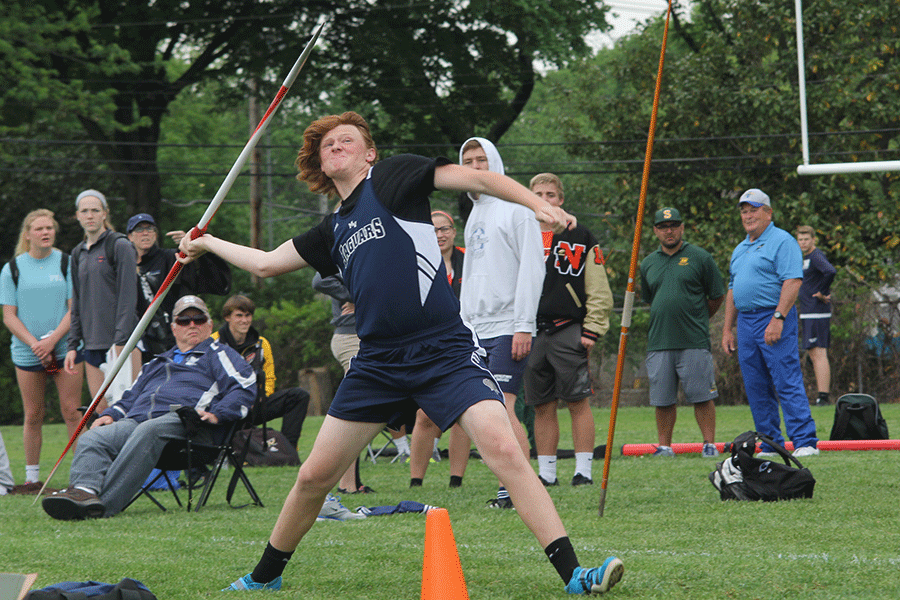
{"x": 829, "y": 168}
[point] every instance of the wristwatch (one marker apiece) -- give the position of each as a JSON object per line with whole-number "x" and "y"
{"x": 778, "y": 315}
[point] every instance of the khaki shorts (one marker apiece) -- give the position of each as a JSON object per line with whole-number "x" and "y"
{"x": 344, "y": 346}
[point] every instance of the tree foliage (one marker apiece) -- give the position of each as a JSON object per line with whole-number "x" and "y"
{"x": 115, "y": 66}
{"x": 729, "y": 120}
{"x": 440, "y": 72}
{"x": 421, "y": 71}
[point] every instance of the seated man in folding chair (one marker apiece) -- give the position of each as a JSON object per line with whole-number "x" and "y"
{"x": 115, "y": 456}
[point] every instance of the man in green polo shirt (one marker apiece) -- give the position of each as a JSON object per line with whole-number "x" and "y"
{"x": 684, "y": 288}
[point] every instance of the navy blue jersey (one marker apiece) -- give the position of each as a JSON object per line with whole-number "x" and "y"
{"x": 818, "y": 274}
{"x": 383, "y": 244}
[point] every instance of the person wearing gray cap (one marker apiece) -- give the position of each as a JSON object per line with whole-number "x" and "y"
{"x": 104, "y": 291}
{"x": 209, "y": 275}
{"x": 684, "y": 289}
{"x": 122, "y": 447}
{"x": 766, "y": 273}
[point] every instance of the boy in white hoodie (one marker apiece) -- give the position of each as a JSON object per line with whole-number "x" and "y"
{"x": 503, "y": 274}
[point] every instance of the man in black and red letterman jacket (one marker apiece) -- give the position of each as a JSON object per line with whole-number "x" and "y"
{"x": 573, "y": 313}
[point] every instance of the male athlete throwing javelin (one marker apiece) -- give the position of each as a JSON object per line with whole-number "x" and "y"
{"x": 411, "y": 335}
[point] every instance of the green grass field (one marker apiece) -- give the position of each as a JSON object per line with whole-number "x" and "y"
{"x": 663, "y": 519}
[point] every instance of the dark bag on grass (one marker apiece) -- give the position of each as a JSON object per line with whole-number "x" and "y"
{"x": 264, "y": 447}
{"x": 744, "y": 477}
{"x": 127, "y": 589}
{"x": 858, "y": 417}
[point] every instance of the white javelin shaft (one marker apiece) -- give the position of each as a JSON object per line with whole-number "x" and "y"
{"x": 264, "y": 122}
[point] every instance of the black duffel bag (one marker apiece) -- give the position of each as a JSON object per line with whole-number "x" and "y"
{"x": 745, "y": 477}
{"x": 264, "y": 447}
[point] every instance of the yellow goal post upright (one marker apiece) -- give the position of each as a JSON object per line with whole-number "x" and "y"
{"x": 829, "y": 168}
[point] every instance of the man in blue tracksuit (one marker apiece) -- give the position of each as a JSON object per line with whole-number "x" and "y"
{"x": 123, "y": 445}
{"x": 766, "y": 273}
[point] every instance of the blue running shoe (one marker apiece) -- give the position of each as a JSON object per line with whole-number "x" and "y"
{"x": 597, "y": 580}
{"x": 246, "y": 583}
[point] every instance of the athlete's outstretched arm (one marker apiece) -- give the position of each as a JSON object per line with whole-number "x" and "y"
{"x": 282, "y": 259}
{"x": 461, "y": 179}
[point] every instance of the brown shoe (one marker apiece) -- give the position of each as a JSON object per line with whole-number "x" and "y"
{"x": 31, "y": 489}
{"x": 72, "y": 504}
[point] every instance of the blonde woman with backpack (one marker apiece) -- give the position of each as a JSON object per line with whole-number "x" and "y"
{"x": 36, "y": 294}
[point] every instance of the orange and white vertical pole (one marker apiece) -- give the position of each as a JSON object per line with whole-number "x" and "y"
{"x": 628, "y": 306}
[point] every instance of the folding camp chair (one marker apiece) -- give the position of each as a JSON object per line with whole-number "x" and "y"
{"x": 389, "y": 441}
{"x": 186, "y": 455}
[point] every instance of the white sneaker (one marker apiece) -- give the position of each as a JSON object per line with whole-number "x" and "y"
{"x": 806, "y": 451}
{"x": 709, "y": 450}
{"x": 664, "y": 451}
{"x": 333, "y": 510}
{"x": 767, "y": 455}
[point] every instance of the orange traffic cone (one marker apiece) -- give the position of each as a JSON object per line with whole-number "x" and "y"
{"x": 442, "y": 576}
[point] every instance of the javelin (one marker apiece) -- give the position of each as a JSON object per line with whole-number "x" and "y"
{"x": 628, "y": 306}
{"x": 196, "y": 232}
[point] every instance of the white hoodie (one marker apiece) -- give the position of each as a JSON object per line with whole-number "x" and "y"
{"x": 503, "y": 270}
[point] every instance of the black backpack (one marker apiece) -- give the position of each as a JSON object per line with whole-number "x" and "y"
{"x": 109, "y": 248}
{"x": 264, "y": 447}
{"x": 857, "y": 417}
{"x": 14, "y": 268}
{"x": 742, "y": 476}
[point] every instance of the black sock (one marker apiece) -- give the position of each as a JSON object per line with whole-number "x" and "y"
{"x": 823, "y": 396}
{"x": 455, "y": 481}
{"x": 415, "y": 482}
{"x": 359, "y": 482}
{"x": 271, "y": 565}
{"x": 562, "y": 557}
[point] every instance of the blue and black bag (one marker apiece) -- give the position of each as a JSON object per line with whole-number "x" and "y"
{"x": 127, "y": 589}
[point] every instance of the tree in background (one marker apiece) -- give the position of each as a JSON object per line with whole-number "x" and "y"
{"x": 433, "y": 71}
{"x": 729, "y": 120}
{"x": 441, "y": 72}
{"x": 115, "y": 66}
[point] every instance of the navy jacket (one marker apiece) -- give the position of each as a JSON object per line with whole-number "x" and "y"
{"x": 213, "y": 377}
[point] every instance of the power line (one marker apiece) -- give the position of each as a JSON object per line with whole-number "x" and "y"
{"x": 418, "y": 145}
{"x": 778, "y": 161}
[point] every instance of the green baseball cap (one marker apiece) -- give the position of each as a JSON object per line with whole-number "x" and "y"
{"x": 664, "y": 215}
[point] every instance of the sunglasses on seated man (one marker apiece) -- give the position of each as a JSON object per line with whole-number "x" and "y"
{"x": 188, "y": 319}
